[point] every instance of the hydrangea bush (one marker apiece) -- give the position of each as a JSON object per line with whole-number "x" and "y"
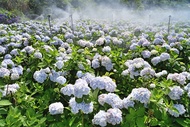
{"x": 102, "y": 74}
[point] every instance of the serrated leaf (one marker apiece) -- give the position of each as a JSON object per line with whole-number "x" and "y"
{"x": 5, "y": 103}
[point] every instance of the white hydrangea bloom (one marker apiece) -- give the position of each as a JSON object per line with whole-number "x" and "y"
{"x": 146, "y": 54}
{"x": 100, "y": 41}
{"x": 106, "y": 49}
{"x": 56, "y": 108}
{"x": 107, "y": 63}
{"x": 14, "y": 76}
{"x": 147, "y": 72}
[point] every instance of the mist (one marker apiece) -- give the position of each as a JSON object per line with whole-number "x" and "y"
{"x": 116, "y": 12}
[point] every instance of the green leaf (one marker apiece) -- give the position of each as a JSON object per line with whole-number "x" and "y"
{"x": 140, "y": 111}
{"x": 72, "y": 121}
{"x": 153, "y": 122}
{"x": 140, "y": 122}
{"x": 3, "y": 111}
{"x": 182, "y": 122}
{"x": 5, "y": 103}
{"x": 2, "y": 123}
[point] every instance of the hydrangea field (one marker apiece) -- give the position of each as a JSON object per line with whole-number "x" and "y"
{"x": 100, "y": 73}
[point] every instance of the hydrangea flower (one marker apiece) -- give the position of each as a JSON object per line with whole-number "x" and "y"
{"x": 106, "y": 49}
{"x": 61, "y": 80}
{"x": 140, "y": 94}
{"x": 54, "y": 75}
{"x": 111, "y": 99}
{"x": 100, "y": 41}
{"x": 7, "y": 62}
{"x": 159, "y": 74}
{"x": 164, "y": 56}
{"x": 10, "y": 89}
{"x": 180, "y": 78}
{"x": 95, "y": 63}
{"x": 40, "y": 76}
{"x": 114, "y": 116}
{"x": 100, "y": 118}
{"x": 81, "y": 88}
{"x": 175, "y": 92}
{"x": 107, "y": 63}
{"x": 146, "y": 54}
{"x": 38, "y": 55}
{"x": 180, "y": 110}
{"x": 2, "y": 50}
{"x": 56, "y": 108}
{"x": 147, "y": 72}
{"x": 4, "y": 72}
{"x": 88, "y": 77}
{"x": 103, "y": 82}
{"x": 84, "y": 107}
{"x": 68, "y": 90}
{"x": 59, "y": 64}
{"x": 135, "y": 66}
{"x": 14, "y": 76}
{"x": 155, "y": 60}
{"x": 127, "y": 102}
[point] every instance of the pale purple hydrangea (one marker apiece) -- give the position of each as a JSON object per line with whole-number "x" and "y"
{"x": 86, "y": 108}
{"x": 127, "y": 102}
{"x": 54, "y": 75}
{"x": 180, "y": 78}
{"x": 56, "y": 108}
{"x": 162, "y": 73}
{"x": 61, "y": 80}
{"x": 38, "y": 55}
{"x": 111, "y": 99}
{"x": 7, "y": 56}
{"x": 95, "y": 63}
{"x": 155, "y": 60}
{"x": 103, "y": 82}
{"x": 4, "y": 72}
{"x": 180, "y": 110}
{"x": 135, "y": 66}
{"x": 100, "y": 41}
{"x": 107, "y": 63}
{"x": 175, "y": 92}
{"x": 28, "y": 49}
{"x": 140, "y": 94}
{"x": 7, "y": 62}
{"x": 88, "y": 77}
{"x": 2, "y": 50}
{"x": 40, "y": 76}
{"x": 106, "y": 49}
{"x": 14, "y": 52}
{"x": 147, "y": 72}
{"x": 81, "y": 88}
{"x": 114, "y": 116}
{"x": 68, "y": 90}
{"x": 10, "y": 89}
{"x": 164, "y": 56}
{"x": 146, "y": 54}
{"x": 59, "y": 64}
{"x": 100, "y": 118}
{"x": 15, "y": 76}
